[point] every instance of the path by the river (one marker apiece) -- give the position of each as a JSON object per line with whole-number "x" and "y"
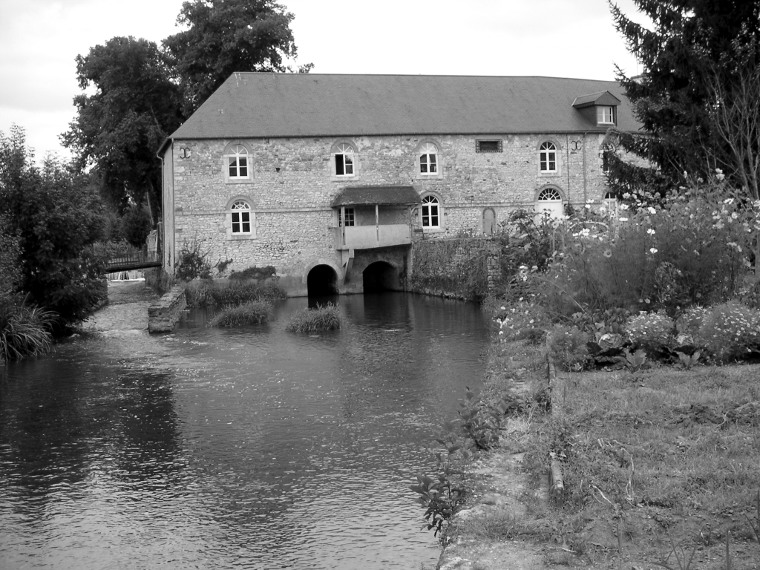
{"x": 127, "y": 308}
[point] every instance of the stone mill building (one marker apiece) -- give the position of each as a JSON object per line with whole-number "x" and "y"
{"x": 332, "y": 178}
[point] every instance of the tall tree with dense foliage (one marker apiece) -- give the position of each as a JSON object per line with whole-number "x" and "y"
{"x": 54, "y": 216}
{"x": 691, "y": 47}
{"x": 225, "y": 36}
{"x": 119, "y": 127}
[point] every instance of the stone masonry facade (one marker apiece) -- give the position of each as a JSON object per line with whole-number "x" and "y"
{"x": 292, "y": 184}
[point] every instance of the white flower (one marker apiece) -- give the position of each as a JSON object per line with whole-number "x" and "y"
{"x": 651, "y": 210}
{"x": 623, "y": 219}
{"x": 650, "y": 231}
{"x": 623, "y": 206}
{"x": 652, "y": 250}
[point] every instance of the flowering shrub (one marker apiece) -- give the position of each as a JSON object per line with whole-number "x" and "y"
{"x": 693, "y": 247}
{"x": 520, "y": 320}
{"x": 568, "y": 347}
{"x": 650, "y": 330}
{"x": 730, "y": 330}
{"x": 690, "y": 321}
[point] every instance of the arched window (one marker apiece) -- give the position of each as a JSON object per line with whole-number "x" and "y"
{"x": 428, "y": 159}
{"x": 431, "y": 212}
{"x": 550, "y": 200}
{"x": 343, "y": 160}
{"x": 240, "y": 218}
{"x": 237, "y": 162}
{"x": 547, "y": 157}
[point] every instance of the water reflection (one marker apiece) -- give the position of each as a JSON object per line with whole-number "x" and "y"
{"x": 221, "y": 448}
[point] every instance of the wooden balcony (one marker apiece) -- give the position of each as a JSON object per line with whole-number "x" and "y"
{"x": 369, "y": 237}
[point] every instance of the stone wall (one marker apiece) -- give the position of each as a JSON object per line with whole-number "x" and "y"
{"x": 292, "y": 185}
{"x": 164, "y": 313}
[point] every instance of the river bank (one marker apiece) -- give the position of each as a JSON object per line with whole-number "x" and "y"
{"x": 481, "y": 536}
{"x": 655, "y": 464}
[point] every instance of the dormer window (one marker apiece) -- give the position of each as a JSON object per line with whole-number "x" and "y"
{"x": 605, "y": 115}
{"x": 598, "y": 108}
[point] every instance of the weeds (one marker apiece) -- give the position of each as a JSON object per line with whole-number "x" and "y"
{"x": 443, "y": 494}
{"x": 253, "y": 312}
{"x": 680, "y": 555}
{"x": 323, "y": 318}
{"x": 24, "y": 330}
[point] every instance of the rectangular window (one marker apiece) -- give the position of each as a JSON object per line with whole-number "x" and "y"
{"x": 349, "y": 217}
{"x": 241, "y": 222}
{"x": 488, "y": 146}
{"x": 344, "y": 165}
{"x": 605, "y": 115}
{"x": 238, "y": 167}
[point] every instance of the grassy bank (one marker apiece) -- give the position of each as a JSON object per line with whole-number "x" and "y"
{"x": 659, "y": 466}
{"x": 655, "y": 463}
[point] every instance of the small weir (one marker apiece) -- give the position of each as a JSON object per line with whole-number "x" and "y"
{"x": 233, "y": 448}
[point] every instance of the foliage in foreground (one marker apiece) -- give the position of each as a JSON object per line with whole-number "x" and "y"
{"x": 56, "y": 217}
{"x": 24, "y": 330}
{"x": 322, "y": 318}
{"x": 250, "y": 313}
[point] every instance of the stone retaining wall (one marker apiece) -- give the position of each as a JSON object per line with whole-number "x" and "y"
{"x": 164, "y": 313}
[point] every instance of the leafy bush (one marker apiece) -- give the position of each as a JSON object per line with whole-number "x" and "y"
{"x": 255, "y": 273}
{"x": 56, "y": 216}
{"x": 135, "y": 225}
{"x": 689, "y": 322}
{"x": 192, "y": 262}
{"x": 10, "y": 264}
{"x": 24, "y": 330}
{"x": 650, "y": 330}
{"x": 568, "y": 347}
{"x": 730, "y": 330}
{"x": 253, "y": 312}
{"x": 521, "y": 320}
{"x": 323, "y": 318}
{"x": 691, "y": 249}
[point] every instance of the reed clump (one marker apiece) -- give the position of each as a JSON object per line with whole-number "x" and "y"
{"x": 322, "y": 318}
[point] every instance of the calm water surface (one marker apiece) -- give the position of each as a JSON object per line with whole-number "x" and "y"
{"x": 235, "y": 448}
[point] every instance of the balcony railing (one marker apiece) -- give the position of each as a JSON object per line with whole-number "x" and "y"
{"x": 368, "y": 237}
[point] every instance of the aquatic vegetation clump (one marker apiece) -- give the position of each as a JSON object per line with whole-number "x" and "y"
{"x": 205, "y": 293}
{"x": 322, "y": 318}
{"x": 251, "y": 313}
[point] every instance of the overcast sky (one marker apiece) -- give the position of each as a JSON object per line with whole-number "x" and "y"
{"x": 564, "y": 38}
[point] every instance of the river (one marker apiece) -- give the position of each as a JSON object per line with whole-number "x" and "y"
{"x": 234, "y": 448}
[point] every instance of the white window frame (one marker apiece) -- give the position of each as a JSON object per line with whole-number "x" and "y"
{"x": 350, "y": 217}
{"x": 241, "y": 220}
{"x": 548, "y": 156}
{"x": 430, "y": 210}
{"x": 605, "y": 115}
{"x": 236, "y": 163}
{"x": 428, "y": 162}
{"x": 348, "y": 160}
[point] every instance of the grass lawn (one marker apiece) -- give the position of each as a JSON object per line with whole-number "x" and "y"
{"x": 657, "y": 463}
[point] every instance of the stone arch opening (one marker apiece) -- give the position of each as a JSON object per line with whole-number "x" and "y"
{"x": 381, "y": 276}
{"x": 322, "y": 281}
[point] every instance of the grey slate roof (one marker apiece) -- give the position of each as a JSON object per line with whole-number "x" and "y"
{"x": 380, "y": 195}
{"x": 263, "y": 105}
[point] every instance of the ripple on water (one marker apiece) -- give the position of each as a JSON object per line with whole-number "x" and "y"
{"x": 251, "y": 448}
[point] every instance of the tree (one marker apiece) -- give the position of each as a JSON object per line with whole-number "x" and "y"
{"x": 692, "y": 44}
{"x": 225, "y": 36}
{"x": 736, "y": 120}
{"x": 119, "y": 128}
{"x": 55, "y": 216}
